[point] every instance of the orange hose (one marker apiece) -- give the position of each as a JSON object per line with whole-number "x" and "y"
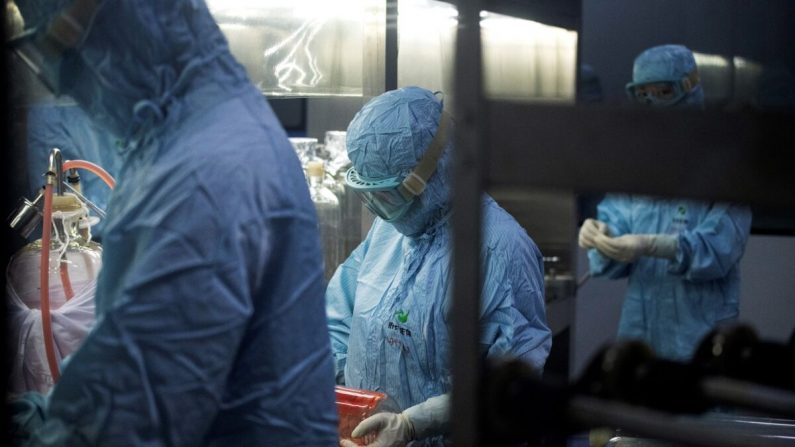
{"x": 44, "y": 267}
{"x": 65, "y": 281}
{"x": 96, "y": 169}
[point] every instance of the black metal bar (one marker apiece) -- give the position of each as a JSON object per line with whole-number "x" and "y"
{"x": 391, "y": 46}
{"x": 706, "y": 155}
{"x": 467, "y": 189}
{"x": 749, "y": 395}
{"x": 643, "y": 422}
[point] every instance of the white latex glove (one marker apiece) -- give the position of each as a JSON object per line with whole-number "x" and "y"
{"x": 630, "y": 247}
{"x": 424, "y": 420}
{"x": 589, "y": 230}
{"x": 389, "y": 430}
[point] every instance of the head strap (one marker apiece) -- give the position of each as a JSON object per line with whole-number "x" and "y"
{"x": 690, "y": 81}
{"x": 414, "y": 183}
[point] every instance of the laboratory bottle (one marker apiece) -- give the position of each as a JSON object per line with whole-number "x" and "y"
{"x": 305, "y": 149}
{"x": 74, "y": 263}
{"x": 329, "y": 217}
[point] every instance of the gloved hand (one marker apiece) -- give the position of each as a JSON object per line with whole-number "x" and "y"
{"x": 630, "y": 247}
{"x": 389, "y": 430}
{"x": 424, "y": 420}
{"x": 589, "y": 230}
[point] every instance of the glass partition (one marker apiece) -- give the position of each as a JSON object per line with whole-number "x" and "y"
{"x": 303, "y": 47}
{"x": 522, "y": 59}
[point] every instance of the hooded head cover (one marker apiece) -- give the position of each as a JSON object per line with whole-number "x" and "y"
{"x": 136, "y": 58}
{"x": 668, "y": 63}
{"x": 389, "y": 136}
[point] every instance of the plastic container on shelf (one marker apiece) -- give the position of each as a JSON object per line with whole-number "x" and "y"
{"x": 355, "y": 405}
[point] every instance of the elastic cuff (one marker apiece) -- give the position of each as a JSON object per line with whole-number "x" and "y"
{"x": 430, "y": 418}
{"x": 664, "y": 246}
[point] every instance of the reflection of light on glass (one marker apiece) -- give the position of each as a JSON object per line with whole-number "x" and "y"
{"x": 297, "y": 54}
{"x": 710, "y": 60}
{"x": 523, "y": 58}
{"x": 743, "y": 63}
{"x": 304, "y": 9}
{"x": 420, "y": 17}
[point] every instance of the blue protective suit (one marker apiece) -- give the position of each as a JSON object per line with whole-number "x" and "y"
{"x": 68, "y": 128}
{"x": 209, "y": 304}
{"x": 388, "y": 305}
{"x": 672, "y": 304}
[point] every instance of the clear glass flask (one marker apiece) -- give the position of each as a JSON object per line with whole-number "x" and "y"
{"x": 329, "y": 216}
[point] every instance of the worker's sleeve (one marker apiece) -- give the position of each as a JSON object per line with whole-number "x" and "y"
{"x": 513, "y": 319}
{"x": 154, "y": 369}
{"x": 614, "y": 211}
{"x": 711, "y": 249}
{"x": 340, "y": 296}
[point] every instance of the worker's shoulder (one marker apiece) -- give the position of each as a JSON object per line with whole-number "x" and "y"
{"x": 501, "y": 232}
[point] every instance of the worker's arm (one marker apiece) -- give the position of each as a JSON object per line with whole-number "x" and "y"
{"x": 613, "y": 211}
{"x": 340, "y": 297}
{"x": 711, "y": 249}
{"x": 513, "y": 316}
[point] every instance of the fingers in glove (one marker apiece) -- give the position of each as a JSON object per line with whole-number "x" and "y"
{"x": 602, "y": 227}
{"x": 611, "y": 248}
{"x": 373, "y": 424}
{"x": 588, "y": 231}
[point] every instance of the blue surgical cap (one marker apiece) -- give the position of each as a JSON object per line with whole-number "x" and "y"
{"x": 667, "y": 63}
{"x": 389, "y": 136}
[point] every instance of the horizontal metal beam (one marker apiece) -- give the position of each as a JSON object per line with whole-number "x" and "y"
{"x": 740, "y": 157}
{"x": 560, "y": 13}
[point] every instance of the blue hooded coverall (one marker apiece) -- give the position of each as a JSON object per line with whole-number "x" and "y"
{"x": 210, "y": 317}
{"x": 388, "y": 304}
{"x": 673, "y": 304}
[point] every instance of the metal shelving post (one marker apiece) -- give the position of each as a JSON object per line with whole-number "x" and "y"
{"x": 467, "y": 187}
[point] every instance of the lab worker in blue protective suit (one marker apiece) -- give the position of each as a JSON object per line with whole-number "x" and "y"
{"x": 681, "y": 256}
{"x": 68, "y": 128}
{"x": 210, "y": 316}
{"x": 388, "y": 304}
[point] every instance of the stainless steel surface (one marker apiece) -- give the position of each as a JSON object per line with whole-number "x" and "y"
{"x": 55, "y": 170}
{"x": 545, "y": 71}
{"x": 27, "y": 216}
{"x": 560, "y": 286}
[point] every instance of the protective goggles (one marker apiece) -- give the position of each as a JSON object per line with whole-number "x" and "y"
{"x": 390, "y": 198}
{"x": 662, "y": 93}
{"x": 42, "y": 50}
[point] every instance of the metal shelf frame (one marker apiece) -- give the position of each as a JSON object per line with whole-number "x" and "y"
{"x": 708, "y": 155}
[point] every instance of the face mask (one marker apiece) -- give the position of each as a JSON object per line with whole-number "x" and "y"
{"x": 390, "y": 198}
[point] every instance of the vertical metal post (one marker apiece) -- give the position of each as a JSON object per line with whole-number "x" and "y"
{"x": 391, "y": 44}
{"x": 467, "y": 188}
